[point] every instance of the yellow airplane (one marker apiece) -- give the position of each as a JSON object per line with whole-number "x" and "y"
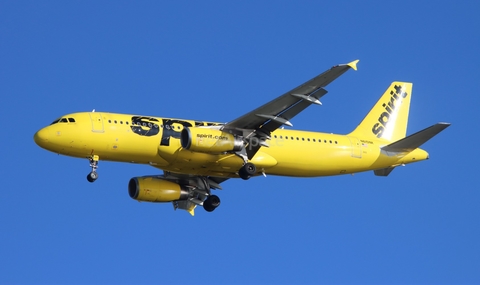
{"x": 197, "y": 156}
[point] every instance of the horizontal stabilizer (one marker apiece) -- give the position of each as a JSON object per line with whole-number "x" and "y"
{"x": 414, "y": 141}
{"x": 383, "y": 171}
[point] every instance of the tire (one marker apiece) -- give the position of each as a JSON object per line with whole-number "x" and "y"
{"x": 247, "y": 171}
{"x": 214, "y": 200}
{"x": 250, "y": 168}
{"x": 92, "y": 176}
{"x": 211, "y": 203}
{"x": 243, "y": 174}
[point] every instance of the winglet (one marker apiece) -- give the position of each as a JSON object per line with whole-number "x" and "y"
{"x": 353, "y": 64}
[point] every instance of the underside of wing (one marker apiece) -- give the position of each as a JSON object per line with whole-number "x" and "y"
{"x": 199, "y": 188}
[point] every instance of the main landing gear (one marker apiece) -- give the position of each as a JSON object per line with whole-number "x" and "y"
{"x": 211, "y": 203}
{"x": 247, "y": 171}
{"x": 93, "y": 175}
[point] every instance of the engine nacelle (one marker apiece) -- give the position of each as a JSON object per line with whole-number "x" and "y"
{"x": 154, "y": 189}
{"x": 209, "y": 140}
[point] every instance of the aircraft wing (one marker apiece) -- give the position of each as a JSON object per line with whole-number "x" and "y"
{"x": 259, "y": 123}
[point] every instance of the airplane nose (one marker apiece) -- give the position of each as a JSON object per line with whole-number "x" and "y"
{"x": 41, "y": 137}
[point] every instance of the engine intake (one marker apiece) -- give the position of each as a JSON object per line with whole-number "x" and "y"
{"x": 209, "y": 140}
{"x": 154, "y": 189}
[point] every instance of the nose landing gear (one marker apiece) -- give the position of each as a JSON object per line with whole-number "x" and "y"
{"x": 93, "y": 175}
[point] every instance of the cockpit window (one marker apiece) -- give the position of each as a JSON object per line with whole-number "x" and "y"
{"x": 54, "y": 122}
{"x": 63, "y": 120}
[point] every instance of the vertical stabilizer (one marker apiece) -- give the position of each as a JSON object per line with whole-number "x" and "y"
{"x": 389, "y": 117}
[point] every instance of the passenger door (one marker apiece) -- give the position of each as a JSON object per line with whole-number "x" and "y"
{"x": 97, "y": 122}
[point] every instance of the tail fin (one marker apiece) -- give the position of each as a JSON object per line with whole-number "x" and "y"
{"x": 389, "y": 117}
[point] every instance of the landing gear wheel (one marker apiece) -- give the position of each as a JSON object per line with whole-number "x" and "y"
{"x": 92, "y": 176}
{"x": 211, "y": 203}
{"x": 247, "y": 171}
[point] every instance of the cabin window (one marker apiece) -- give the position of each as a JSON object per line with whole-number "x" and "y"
{"x": 336, "y": 142}
{"x": 286, "y": 137}
{"x": 314, "y": 140}
{"x": 281, "y": 137}
{"x": 291, "y": 138}
{"x": 330, "y": 141}
{"x": 126, "y": 123}
{"x": 275, "y": 136}
{"x": 308, "y": 139}
{"x": 115, "y": 121}
{"x": 297, "y": 139}
{"x": 121, "y": 122}
{"x": 303, "y": 139}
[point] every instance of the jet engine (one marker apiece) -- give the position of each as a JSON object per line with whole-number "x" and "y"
{"x": 154, "y": 189}
{"x": 209, "y": 140}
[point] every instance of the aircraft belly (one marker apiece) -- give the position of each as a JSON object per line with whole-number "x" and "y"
{"x": 222, "y": 165}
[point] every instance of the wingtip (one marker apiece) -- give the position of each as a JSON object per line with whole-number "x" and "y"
{"x": 353, "y": 64}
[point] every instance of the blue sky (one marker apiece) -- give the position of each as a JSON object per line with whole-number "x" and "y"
{"x": 214, "y": 61}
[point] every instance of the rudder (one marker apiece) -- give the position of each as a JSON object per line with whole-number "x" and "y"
{"x": 388, "y": 118}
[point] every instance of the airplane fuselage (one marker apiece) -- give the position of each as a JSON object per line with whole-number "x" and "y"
{"x": 156, "y": 141}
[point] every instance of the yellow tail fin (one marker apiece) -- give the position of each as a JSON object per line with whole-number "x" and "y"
{"x": 389, "y": 117}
